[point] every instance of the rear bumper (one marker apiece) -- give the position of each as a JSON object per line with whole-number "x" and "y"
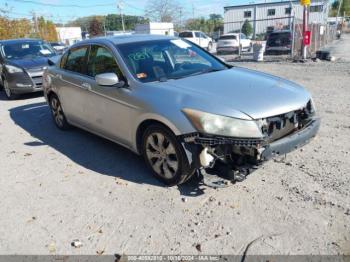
{"x": 291, "y": 142}
{"x": 226, "y": 49}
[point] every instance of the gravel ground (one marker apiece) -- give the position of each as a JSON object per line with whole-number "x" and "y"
{"x": 56, "y": 187}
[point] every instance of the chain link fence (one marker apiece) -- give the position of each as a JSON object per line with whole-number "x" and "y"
{"x": 283, "y": 35}
{"x": 321, "y": 35}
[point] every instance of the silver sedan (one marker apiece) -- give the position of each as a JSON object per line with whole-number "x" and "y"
{"x": 180, "y": 107}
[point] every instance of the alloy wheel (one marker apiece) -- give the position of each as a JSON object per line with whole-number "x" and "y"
{"x": 162, "y": 155}
{"x": 57, "y": 111}
{"x": 7, "y": 89}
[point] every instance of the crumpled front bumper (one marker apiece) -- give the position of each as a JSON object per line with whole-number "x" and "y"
{"x": 289, "y": 143}
{"x": 254, "y": 150}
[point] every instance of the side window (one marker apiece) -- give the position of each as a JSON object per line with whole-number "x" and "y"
{"x": 197, "y": 34}
{"x": 243, "y": 36}
{"x": 102, "y": 61}
{"x": 63, "y": 60}
{"x": 76, "y": 60}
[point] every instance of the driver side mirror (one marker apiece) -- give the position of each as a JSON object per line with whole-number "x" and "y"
{"x": 109, "y": 79}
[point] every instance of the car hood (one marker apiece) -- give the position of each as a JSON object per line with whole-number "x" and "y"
{"x": 30, "y": 63}
{"x": 253, "y": 93}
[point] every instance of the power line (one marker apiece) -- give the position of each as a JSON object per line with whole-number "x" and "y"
{"x": 61, "y": 5}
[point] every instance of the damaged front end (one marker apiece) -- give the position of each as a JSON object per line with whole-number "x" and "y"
{"x": 234, "y": 158}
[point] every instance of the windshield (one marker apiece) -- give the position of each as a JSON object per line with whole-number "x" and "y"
{"x": 26, "y": 50}
{"x": 167, "y": 59}
{"x": 186, "y": 34}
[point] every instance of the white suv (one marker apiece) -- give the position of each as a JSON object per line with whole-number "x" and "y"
{"x": 233, "y": 42}
{"x": 199, "y": 38}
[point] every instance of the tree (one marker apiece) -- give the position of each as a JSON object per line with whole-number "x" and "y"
{"x": 247, "y": 28}
{"x": 344, "y": 9}
{"x": 95, "y": 27}
{"x": 213, "y": 24}
{"x": 163, "y": 10}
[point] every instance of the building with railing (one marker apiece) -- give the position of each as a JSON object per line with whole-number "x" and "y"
{"x": 271, "y": 16}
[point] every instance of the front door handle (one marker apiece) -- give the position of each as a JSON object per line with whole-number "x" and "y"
{"x": 86, "y": 86}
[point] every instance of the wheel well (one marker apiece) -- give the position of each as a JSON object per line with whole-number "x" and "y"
{"x": 50, "y": 94}
{"x": 142, "y": 128}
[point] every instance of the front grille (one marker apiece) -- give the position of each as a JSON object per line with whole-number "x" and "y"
{"x": 38, "y": 81}
{"x": 280, "y": 126}
{"x": 209, "y": 140}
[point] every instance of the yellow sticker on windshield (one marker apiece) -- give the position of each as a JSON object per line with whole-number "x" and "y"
{"x": 141, "y": 75}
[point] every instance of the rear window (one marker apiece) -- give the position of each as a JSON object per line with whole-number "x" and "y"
{"x": 226, "y": 37}
{"x": 279, "y": 35}
{"x": 186, "y": 34}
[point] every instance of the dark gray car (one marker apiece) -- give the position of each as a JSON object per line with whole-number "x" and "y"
{"x": 22, "y": 63}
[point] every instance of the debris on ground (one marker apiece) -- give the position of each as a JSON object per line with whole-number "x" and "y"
{"x": 100, "y": 252}
{"x": 76, "y": 243}
{"x": 199, "y": 247}
{"x": 52, "y": 247}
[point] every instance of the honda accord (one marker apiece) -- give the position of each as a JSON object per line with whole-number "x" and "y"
{"x": 181, "y": 108}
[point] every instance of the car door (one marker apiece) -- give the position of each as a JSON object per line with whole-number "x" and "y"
{"x": 107, "y": 106}
{"x": 245, "y": 43}
{"x": 69, "y": 80}
{"x": 197, "y": 38}
{"x": 204, "y": 40}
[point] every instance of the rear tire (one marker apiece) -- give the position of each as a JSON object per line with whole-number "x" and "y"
{"x": 165, "y": 156}
{"x": 57, "y": 113}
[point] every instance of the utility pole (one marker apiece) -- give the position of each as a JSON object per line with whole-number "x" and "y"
{"x": 338, "y": 11}
{"x": 120, "y": 7}
{"x": 192, "y": 11}
{"x": 305, "y": 29}
{"x": 35, "y": 20}
{"x": 180, "y": 17}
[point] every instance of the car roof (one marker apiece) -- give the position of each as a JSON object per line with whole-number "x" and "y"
{"x": 231, "y": 34}
{"x": 281, "y": 31}
{"x": 125, "y": 39}
{"x": 19, "y": 40}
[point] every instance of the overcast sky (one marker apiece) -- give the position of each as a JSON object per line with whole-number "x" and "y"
{"x": 60, "y": 13}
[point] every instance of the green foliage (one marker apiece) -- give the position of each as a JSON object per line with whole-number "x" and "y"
{"x": 214, "y": 23}
{"x": 345, "y": 8}
{"x": 111, "y": 22}
{"x": 247, "y": 28}
{"x": 114, "y": 22}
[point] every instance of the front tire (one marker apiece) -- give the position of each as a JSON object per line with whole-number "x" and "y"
{"x": 165, "y": 156}
{"x": 57, "y": 113}
{"x": 8, "y": 92}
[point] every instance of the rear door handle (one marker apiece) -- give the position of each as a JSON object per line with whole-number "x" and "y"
{"x": 86, "y": 86}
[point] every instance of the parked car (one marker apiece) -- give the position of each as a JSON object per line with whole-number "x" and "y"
{"x": 22, "y": 63}
{"x": 279, "y": 42}
{"x": 232, "y": 42}
{"x": 178, "y": 106}
{"x": 199, "y": 38}
{"x": 59, "y": 47}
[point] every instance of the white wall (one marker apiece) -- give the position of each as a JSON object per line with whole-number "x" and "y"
{"x": 155, "y": 29}
{"x": 69, "y": 35}
{"x": 234, "y": 15}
